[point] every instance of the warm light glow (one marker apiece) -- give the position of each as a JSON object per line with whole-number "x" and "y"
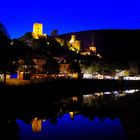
{"x": 85, "y": 53}
{"x": 7, "y": 76}
{"x": 75, "y": 44}
{"x": 75, "y": 75}
{"x": 73, "y": 38}
{"x": 38, "y": 30}
{"x": 71, "y": 115}
{"x": 60, "y": 41}
{"x": 93, "y": 49}
{"x": 20, "y": 75}
{"x": 12, "y": 42}
{"x": 36, "y": 125}
{"x": 99, "y": 94}
{"x": 74, "y": 98}
{"x": 99, "y": 55}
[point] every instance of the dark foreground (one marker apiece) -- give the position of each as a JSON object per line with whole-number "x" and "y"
{"x": 69, "y": 85}
{"x": 41, "y": 99}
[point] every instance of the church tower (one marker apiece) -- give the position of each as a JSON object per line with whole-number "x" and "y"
{"x": 92, "y": 47}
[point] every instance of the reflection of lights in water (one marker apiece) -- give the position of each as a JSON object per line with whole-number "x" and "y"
{"x": 88, "y": 95}
{"x": 131, "y": 91}
{"x": 80, "y": 127}
{"x": 99, "y": 94}
{"x": 125, "y": 92}
{"x": 132, "y": 78}
{"x": 121, "y": 94}
{"x": 115, "y": 92}
{"x": 36, "y": 125}
{"x": 75, "y": 98}
{"x": 71, "y": 115}
{"x": 88, "y": 99}
{"x": 107, "y": 92}
{"x": 43, "y": 120}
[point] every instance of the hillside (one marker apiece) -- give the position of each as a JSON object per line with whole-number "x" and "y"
{"x": 120, "y": 45}
{"x": 44, "y": 46}
{"x": 112, "y": 44}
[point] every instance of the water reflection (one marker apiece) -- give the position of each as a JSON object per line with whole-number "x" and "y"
{"x": 79, "y": 128}
{"x": 36, "y": 125}
{"x": 89, "y": 116}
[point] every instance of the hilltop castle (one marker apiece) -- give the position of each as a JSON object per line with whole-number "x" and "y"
{"x": 38, "y": 31}
{"x": 73, "y": 44}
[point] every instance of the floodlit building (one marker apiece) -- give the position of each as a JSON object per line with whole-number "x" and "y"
{"x": 64, "y": 70}
{"x": 39, "y": 64}
{"x": 38, "y": 31}
{"x": 60, "y": 41}
{"x": 92, "y": 47}
{"x": 75, "y": 45}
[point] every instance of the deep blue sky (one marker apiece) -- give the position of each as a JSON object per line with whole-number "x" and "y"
{"x": 18, "y": 16}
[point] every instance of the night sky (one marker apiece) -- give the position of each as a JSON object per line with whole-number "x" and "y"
{"x": 69, "y": 16}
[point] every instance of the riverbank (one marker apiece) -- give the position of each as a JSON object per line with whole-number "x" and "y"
{"x": 18, "y": 82}
{"x": 66, "y": 85}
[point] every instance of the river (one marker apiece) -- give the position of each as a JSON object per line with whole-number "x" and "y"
{"x": 92, "y": 115}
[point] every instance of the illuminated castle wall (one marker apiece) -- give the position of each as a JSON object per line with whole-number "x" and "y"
{"x": 38, "y": 30}
{"x": 75, "y": 44}
{"x": 73, "y": 38}
{"x": 60, "y": 41}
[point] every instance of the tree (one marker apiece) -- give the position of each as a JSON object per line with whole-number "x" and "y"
{"x": 75, "y": 67}
{"x": 23, "y": 56}
{"x": 5, "y": 51}
{"x": 54, "y": 33}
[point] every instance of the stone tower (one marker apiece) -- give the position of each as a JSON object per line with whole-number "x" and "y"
{"x": 38, "y": 30}
{"x": 75, "y": 44}
{"x": 73, "y": 38}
